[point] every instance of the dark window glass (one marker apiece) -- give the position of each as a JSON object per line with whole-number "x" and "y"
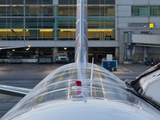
{"x": 66, "y": 23}
{"x": 66, "y": 10}
{"x": 9, "y": 10}
{"x": 9, "y": 34}
{"x": 93, "y": 1}
{"x": 47, "y": 1}
{"x": 63, "y": 1}
{"x": 109, "y": 1}
{"x": 17, "y": 1}
{"x": 154, "y": 10}
{"x": 101, "y": 23}
{"x": 3, "y": 23}
{"x": 48, "y": 10}
{"x": 48, "y": 22}
{"x": 2, "y": 1}
{"x": 109, "y": 23}
{"x": 139, "y": 11}
{"x": 72, "y": 11}
{"x": 9, "y": 23}
{"x": 32, "y": 10}
{"x": 40, "y": 22}
{"x": 72, "y": 1}
{"x": 17, "y": 10}
{"x": 17, "y": 22}
{"x": 9, "y": 1}
{"x": 62, "y": 10}
{"x": 31, "y": 34}
{"x": 72, "y": 23}
{"x": 109, "y": 11}
{"x": 62, "y": 23}
{"x": 31, "y": 1}
{"x": 101, "y": 10}
{"x": 39, "y": 10}
{"x": 102, "y": 1}
{"x": 94, "y": 23}
{"x": 31, "y": 22}
{"x": 2, "y": 10}
{"x": 40, "y": 1}
{"x": 93, "y": 10}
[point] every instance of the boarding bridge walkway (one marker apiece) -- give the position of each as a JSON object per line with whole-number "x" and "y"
{"x": 142, "y": 40}
{"x": 145, "y": 40}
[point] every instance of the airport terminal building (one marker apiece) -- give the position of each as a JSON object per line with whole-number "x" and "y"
{"x": 128, "y": 29}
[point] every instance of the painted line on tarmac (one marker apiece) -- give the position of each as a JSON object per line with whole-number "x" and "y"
{"x": 128, "y": 70}
{"x": 121, "y": 72}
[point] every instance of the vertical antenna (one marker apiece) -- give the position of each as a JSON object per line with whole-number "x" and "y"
{"x": 91, "y": 80}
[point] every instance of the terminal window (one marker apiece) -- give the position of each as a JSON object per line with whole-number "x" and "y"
{"x": 101, "y": 10}
{"x": 39, "y": 1}
{"x": 64, "y": 10}
{"x": 101, "y": 1}
{"x": 17, "y": 1}
{"x": 62, "y": 2}
{"x": 154, "y": 10}
{"x": 140, "y": 11}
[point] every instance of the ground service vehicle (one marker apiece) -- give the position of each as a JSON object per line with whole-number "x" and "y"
{"x": 62, "y": 57}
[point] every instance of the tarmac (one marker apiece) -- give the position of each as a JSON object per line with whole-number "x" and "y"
{"x": 29, "y": 75}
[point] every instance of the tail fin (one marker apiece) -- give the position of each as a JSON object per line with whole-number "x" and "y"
{"x": 81, "y": 45}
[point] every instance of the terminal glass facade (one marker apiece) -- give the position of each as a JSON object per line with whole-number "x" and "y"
{"x": 140, "y": 11}
{"x": 155, "y": 10}
{"x": 145, "y": 11}
{"x": 42, "y": 20}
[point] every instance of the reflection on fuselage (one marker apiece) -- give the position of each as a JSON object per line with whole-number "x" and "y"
{"x": 58, "y": 86}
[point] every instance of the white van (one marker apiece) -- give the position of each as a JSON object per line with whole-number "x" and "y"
{"x": 62, "y": 57}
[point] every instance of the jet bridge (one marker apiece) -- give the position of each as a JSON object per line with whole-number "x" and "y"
{"x": 144, "y": 40}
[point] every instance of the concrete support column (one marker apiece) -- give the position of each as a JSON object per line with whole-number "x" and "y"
{"x": 128, "y": 54}
{"x": 55, "y": 12}
{"x": 37, "y": 53}
{"x": 133, "y": 52}
{"x": 117, "y": 53}
{"x": 55, "y": 53}
{"x": 145, "y": 53}
{"x": 24, "y": 21}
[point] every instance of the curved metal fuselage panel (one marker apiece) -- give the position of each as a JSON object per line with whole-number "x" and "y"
{"x": 56, "y": 93}
{"x": 101, "y": 96}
